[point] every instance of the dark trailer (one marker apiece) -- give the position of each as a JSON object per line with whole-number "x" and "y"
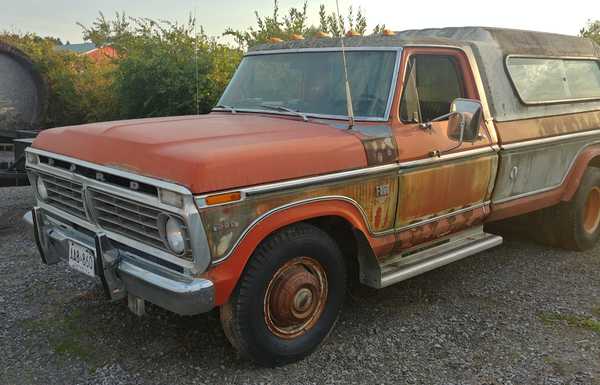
{"x": 23, "y": 98}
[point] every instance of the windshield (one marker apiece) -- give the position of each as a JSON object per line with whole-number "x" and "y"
{"x": 313, "y": 83}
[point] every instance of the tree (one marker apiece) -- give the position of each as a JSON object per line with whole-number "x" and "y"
{"x": 295, "y": 22}
{"x": 591, "y": 30}
{"x": 163, "y": 68}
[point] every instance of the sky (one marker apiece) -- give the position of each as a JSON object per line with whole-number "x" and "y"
{"x": 59, "y": 17}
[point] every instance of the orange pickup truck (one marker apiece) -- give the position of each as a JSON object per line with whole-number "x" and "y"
{"x": 268, "y": 207}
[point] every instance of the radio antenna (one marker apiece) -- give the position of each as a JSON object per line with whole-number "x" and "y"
{"x": 348, "y": 93}
{"x": 196, "y": 60}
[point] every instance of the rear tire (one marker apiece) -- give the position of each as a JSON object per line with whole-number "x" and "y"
{"x": 288, "y": 298}
{"x": 576, "y": 224}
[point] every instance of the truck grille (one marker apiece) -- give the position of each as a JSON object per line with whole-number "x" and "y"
{"x": 123, "y": 216}
{"x": 126, "y": 217}
{"x": 64, "y": 194}
{"x": 112, "y": 213}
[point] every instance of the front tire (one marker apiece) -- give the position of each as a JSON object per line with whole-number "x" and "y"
{"x": 288, "y": 298}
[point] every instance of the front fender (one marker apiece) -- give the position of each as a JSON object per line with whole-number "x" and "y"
{"x": 226, "y": 274}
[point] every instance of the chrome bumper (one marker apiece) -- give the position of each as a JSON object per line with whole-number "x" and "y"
{"x": 121, "y": 271}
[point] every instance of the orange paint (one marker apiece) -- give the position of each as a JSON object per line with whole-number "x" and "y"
{"x": 211, "y": 152}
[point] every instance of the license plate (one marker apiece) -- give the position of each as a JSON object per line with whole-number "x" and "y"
{"x": 82, "y": 259}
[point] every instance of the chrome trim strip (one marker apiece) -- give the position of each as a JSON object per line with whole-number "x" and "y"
{"x": 287, "y": 206}
{"x": 451, "y": 156}
{"x": 303, "y": 182}
{"x": 111, "y": 170}
{"x": 551, "y": 139}
{"x": 526, "y": 194}
{"x": 308, "y": 114}
{"x": 546, "y": 189}
{"x": 337, "y": 176}
{"x": 322, "y": 49}
{"x": 391, "y": 94}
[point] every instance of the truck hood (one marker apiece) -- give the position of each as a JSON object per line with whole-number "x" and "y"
{"x": 211, "y": 152}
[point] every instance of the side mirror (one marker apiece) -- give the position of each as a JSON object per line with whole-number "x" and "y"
{"x": 464, "y": 120}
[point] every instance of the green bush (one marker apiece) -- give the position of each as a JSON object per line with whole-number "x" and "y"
{"x": 164, "y": 68}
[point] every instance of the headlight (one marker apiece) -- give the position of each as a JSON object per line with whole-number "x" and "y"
{"x": 174, "y": 232}
{"x": 41, "y": 188}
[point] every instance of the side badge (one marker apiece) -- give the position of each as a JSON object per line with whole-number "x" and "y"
{"x": 383, "y": 190}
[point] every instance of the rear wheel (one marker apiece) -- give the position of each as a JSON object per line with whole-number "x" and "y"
{"x": 289, "y": 297}
{"x": 576, "y": 224}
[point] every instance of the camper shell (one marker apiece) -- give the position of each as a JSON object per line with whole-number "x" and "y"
{"x": 491, "y": 49}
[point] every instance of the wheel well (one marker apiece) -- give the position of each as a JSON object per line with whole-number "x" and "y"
{"x": 594, "y": 162}
{"x": 342, "y": 232}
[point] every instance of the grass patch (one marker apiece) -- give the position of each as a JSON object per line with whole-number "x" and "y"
{"x": 587, "y": 323}
{"x": 69, "y": 336}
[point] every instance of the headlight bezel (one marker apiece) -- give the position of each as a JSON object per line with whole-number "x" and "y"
{"x": 164, "y": 220}
{"x": 41, "y": 189}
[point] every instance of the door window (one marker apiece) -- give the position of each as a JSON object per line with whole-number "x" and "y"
{"x": 432, "y": 83}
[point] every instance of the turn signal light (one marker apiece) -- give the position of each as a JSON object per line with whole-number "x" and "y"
{"x": 223, "y": 198}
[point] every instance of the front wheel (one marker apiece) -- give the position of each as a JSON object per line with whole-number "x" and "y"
{"x": 289, "y": 297}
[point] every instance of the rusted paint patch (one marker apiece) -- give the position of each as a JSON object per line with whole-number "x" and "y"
{"x": 379, "y": 208}
{"x": 519, "y": 130}
{"x": 379, "y": 143}
{"x": 440, "y": 189}
{"x": 430, "y": 231}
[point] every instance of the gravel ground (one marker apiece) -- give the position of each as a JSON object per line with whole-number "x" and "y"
{"x": 518, "y": 314}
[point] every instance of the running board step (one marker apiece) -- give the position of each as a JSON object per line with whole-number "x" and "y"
{"x": 404, "y": 267}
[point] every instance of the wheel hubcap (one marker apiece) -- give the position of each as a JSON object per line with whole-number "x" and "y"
{"x": 591, "y": 214}
{"x": 295, "y": 297}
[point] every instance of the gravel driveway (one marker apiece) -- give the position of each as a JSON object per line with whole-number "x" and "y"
{"x": 518, "y": 314}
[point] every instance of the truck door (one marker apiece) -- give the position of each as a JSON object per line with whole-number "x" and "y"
{"x": 444, "y": 185}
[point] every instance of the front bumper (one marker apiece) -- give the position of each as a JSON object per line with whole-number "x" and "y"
{"x": 121, "y": 271}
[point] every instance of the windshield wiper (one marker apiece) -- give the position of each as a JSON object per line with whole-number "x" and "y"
{"x": 286, "y": 109}
{"x": 225, "y": 107}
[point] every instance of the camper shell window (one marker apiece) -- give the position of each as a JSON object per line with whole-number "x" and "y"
{"x": 539, "y": 80}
